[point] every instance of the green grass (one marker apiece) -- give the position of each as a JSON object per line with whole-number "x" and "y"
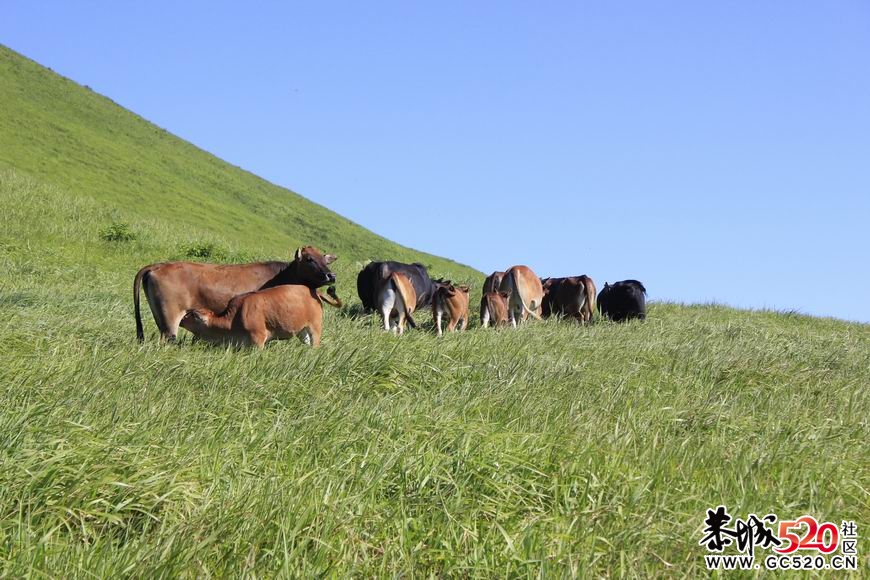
{"x": 552, "y": 450}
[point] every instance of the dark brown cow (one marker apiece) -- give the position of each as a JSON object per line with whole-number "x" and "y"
{"x": 255, "y": 318}
{"x": 453, "y": 301}
{"x": 494, "y": 308}
{"x": 173, "y": 288}
{"x": 493, "y": 282}
{"x": 525, "y": 293}
{"x": 573, "y": 296}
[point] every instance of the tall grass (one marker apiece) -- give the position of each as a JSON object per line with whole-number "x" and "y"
{"x": 549, "y": 450}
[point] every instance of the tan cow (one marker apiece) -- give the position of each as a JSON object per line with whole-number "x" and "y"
{"x": 173, "y": 288}
{"x": 494, "y": 308}
{"x": 526, "y": 293}
{"x": 397, "y": 298}
{"x": 255, "y": 318}
{"x": 453, "y": 301}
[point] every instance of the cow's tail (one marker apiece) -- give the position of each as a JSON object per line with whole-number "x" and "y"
{"x": 137, "y": 285}
{"x": 532, "y": 311}
{"x": 591, "y": 293}
{"x": 582, "y": 297}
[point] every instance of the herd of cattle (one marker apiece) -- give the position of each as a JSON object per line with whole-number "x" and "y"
{"x": 251, "y": 304}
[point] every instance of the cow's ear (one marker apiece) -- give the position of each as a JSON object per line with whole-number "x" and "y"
{"x": 330, "y": 258}
{"x": 465, "y": 288}
{"x": 298, "y": 255}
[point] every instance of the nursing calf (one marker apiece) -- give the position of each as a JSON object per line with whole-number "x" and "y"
{"x": 173, "y": 288}
{"x": 256, "y": 318}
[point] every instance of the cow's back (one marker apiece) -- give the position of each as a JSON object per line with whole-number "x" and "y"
{"x": 524, "y": 286}
{"x": 623, "y": 300}
{"x": 492, "y": 283}
{"x": 212, "y": 286}
{"x": 283, "y": 310}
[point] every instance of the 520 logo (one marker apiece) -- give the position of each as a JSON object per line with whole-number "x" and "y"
{"x": 800, "y": 544}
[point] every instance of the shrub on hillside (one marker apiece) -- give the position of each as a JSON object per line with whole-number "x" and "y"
{"x": 204, "y": 251}
{"x": 117, "y": 232}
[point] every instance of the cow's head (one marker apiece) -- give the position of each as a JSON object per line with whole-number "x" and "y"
{"x": 312, "y": 267}
{"x": 194, "y": 320}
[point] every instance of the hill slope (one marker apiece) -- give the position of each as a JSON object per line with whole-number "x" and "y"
{"x": 64, "y": 135}
{"x": 553, "y": 450}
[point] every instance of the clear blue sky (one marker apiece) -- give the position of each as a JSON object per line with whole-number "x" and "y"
{"x": 717, "y": 151}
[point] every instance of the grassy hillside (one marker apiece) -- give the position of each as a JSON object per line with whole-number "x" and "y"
{"x": 552, "y": 450}
{"x": 66, "y": 136}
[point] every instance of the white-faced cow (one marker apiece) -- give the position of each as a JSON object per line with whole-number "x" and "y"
{"x": 525, "y": 293}
{"x": 494, "y": 309}
{"x": 573, "y": 296}
{"x": 372, "y": 278}
{"x": 623, "y": 300}
{"x": 396, "y": 298}
{"x": 173, "y": 288}
{"x": 255, "y": 318}
{"x": 452, "y": 301}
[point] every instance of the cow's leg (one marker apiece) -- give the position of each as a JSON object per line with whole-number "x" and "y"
{"x": 259, "y": 338}
{"x": 400, "y": 324}
{"x": 164, "y": 314}
{"x": 451, "y": 326}
{"x": 304, "y": 336}
{"x": 309, "y": 336}
{"x": 438, "y": 320}
{"x": 171, "y": 319}
{"x": 316, "y": 332}
{"x": 387, "y": 302}
{"x": 385, "y": 314}
{"x": 464, "y": 323}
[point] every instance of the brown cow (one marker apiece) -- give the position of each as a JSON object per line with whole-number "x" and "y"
{"x": 256, "y": 318}
{"x": 526, "y": 293}
{"x": 173, "y": 288}
{"x": 573, "y": 296}
{"x": 494, "y": 307}
{"x": 452, "y": 300}
{"x": 397, "y": 297}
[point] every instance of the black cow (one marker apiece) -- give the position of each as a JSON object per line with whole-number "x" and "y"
{"x": 376, "y": 273}
{"x": 623, "y": 300}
